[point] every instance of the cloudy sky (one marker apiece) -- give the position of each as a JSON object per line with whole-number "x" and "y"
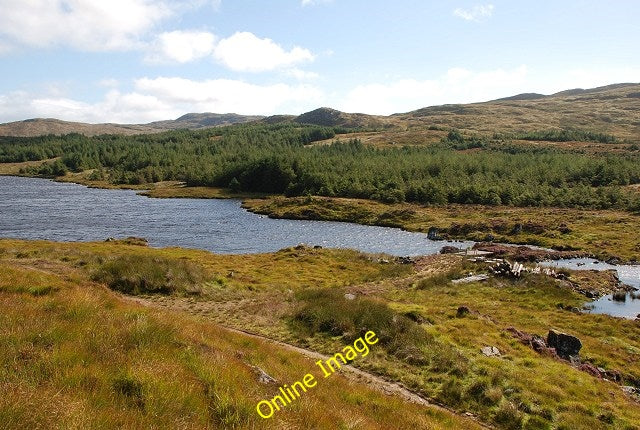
{"x": 135, "y": 61}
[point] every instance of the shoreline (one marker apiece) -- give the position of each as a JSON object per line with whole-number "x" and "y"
{"x": 507, "y": 225}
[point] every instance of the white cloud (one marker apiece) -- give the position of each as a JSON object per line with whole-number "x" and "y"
{"x": 245, "y": 52}
{"x": 89, "y": 25}
{"x": 456, "y": 86}
{"x": 302, "y": 75}
{"x": 225, "y": 95}
{"x": 164, "y": 98}
{"x": 476, "y": 13}
{"x": 182, "y": 46}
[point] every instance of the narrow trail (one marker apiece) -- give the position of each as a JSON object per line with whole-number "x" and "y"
{"x": 355, "y": 374}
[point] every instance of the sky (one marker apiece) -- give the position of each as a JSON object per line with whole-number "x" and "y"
{"x": 137, "y": 61}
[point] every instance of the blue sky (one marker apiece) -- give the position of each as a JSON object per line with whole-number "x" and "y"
{"x": 135, "y": 61}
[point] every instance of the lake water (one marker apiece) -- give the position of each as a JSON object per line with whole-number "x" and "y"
{"x": 627, "y": 274}
{"x": 33, "y": 208}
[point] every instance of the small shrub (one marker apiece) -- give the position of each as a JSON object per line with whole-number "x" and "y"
{"x": 130, "y": 388}
{"x": 226, "y": 412}
{"x": 508, "y": 416}
{"x": 135, "y": 274}
{"x": 481, "y": 391}
{"x": 537, "y": 423}
{"x": 451, "y": 392}
{"x": 327, "y": 311}
{"x": 41, "y": 290}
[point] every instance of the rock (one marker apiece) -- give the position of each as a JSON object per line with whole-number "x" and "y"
{"x": 565, "y": 345}
{"x": 448, "y": 249}
{"x": 590, "y": 369}
{"x": 433, "y": 233}
{"x": 317, "y": 247}
{"x": 491, "y": 351}
{"x": 462, "y": 311}
{"x": 619, "y": 296}
{"x": 611, "y": 375}
{"x": 405, "y": 260}
{"x": 517, "y": 229}
{"x": 537, "y": 343}
{"x": 613, "y": 261}
{"x": 263, "y": 377}
{"x": 350, "y": 296}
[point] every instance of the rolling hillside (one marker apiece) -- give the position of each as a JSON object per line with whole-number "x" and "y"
{"x": 612, "y": 109}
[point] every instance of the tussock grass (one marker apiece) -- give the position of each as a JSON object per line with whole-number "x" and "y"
{"x": 83, "y": 357}
{"x": 140, "y": 274}
{"x": 79, "y": 339}
{"x": 327, "y": 311}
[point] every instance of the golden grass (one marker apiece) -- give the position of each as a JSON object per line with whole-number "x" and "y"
{"x": 519, "y": 387}
{"x": 79, "y": 356}
{"x": 14, "y": 168}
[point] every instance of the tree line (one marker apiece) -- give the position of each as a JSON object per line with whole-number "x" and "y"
{"x": 279, "y": 159}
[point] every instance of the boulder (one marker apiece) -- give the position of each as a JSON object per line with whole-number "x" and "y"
{"x": 433, "y": 233}
{"x": 565, "y": 345}
{"x": 262, "y": 376}
{"x": 448, "y": 249}
{"x": 490, "y": 351}
{"x": 590, "y": 369}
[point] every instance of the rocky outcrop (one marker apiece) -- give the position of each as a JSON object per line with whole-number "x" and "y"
{"x": 525, "y": 253}
{"x": 566, "y": 345}
{"x": 448, "y": 249}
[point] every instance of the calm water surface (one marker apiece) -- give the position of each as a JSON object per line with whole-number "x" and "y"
{"x": 41, "y": 209}
{"x": 629, "y": 275}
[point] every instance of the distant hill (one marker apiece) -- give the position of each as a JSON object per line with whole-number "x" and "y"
{"x": 334, "y": 118}
{"x": 612, "y": 109}
{"x": 203, "y": 120}
{"x": 523, "y": 96}
{"x": 42, "y": 126}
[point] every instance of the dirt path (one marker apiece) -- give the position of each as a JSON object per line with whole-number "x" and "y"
{"x": 358, "y": 375}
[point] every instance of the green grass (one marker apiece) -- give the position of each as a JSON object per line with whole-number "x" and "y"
{"x": 329, "y": 312}
{"x": 140, "y": 274}
{"x": 604, "y": 233}
{"x": 81, "y": 356}
{"x": 297, "y": 295}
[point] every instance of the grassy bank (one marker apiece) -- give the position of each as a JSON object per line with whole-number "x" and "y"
{"x": 319, "y": 299}
{"x": 429, "y": 347}
{"x": 74, "y": 354}
{"x": 604, "y": 233}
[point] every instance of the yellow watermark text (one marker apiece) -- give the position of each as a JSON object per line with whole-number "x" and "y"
{"x": 289, "y": 393}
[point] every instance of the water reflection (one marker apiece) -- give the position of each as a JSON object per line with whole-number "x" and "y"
{"x": 41, "y": 209}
